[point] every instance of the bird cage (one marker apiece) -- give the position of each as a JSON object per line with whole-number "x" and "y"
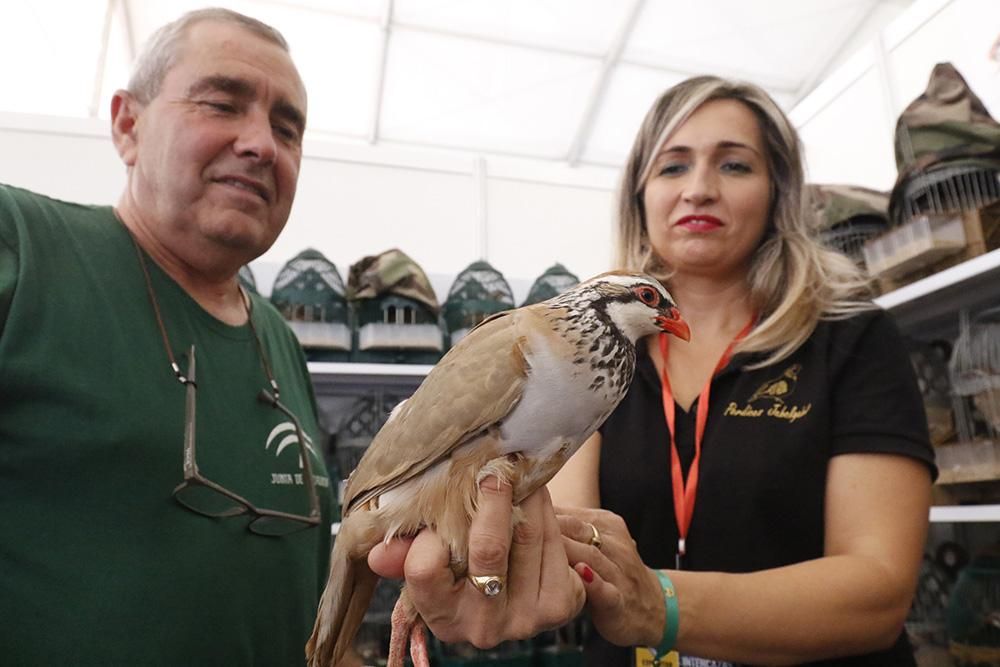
{"x": 926, "y": 622}
{"x": 930, "y": 364}
{"x": 975, "y": 375}
{"x": 363, "y": 417}
{"x": 245, "y": 276}
{"x": 478, "y": 292}
{"x": 310, "y": 295}
{"x": 947, "y": 150}
{"x": 949, "y": 188}
{"x": 846, "y": 216}
{"x": 948, "y": 157}
{"x": 973, "y": 610}
{"x": 553, "y": 282}
{"x": 397, "y": 311}
{"x": 360, "y": 415}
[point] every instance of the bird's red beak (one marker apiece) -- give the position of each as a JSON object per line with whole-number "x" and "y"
{"x": 674, "y": 324}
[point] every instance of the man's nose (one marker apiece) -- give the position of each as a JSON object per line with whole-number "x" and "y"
{"x": 256, "y": 138}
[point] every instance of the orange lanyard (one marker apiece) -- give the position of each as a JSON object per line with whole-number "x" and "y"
{"x": 684, "y": 494}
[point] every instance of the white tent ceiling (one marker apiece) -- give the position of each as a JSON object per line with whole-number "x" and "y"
{"x": 560, "y": 80}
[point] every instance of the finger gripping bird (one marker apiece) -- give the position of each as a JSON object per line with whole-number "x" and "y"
{"x": 515, "y": 398}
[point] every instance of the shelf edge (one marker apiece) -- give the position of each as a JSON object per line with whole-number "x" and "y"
{"x": 951, "y": 276}
{"x": 368, "y": 370}
{"x": 965, "y": 514}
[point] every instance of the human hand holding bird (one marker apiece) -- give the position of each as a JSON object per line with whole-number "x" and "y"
{"x": 513, "y": 400}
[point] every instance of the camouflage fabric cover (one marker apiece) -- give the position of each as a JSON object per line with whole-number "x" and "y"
{"x": 947, "y": 123}
{"x": 392, "y": 271}
{"x": 556, "y": 280}
{"x": 832, "y": 205}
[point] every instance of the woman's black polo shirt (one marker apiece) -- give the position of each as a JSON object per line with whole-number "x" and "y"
{"x": 850, "y": 388}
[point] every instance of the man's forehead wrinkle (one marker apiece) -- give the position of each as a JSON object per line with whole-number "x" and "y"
{"x": 222, "y": 83}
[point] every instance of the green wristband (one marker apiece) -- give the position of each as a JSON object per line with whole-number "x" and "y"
{"x": 673, "y": 616}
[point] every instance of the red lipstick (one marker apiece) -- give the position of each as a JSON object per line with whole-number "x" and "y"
{"x": 699, "y": 223}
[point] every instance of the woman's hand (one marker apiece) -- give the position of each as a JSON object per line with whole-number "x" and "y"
{"x": 541, "y": 592}
{"x": 623, "y": 595}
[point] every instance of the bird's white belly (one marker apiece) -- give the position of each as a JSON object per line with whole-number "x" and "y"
{"x": 558, "y": 407}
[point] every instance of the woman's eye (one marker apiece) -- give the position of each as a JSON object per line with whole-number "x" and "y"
{"x": 672, "y": 169}
{"x": 737, "y": 167}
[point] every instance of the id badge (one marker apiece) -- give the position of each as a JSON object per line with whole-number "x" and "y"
{"x": 645, "y": 657}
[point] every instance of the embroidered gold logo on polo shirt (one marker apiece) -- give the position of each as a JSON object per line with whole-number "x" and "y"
{"x": 771, "y": 399}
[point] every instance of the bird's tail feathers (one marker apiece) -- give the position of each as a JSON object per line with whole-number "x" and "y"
{"x": 342, "y": 607}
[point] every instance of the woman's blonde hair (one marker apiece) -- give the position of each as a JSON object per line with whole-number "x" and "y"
{"x": 794, "y": 280}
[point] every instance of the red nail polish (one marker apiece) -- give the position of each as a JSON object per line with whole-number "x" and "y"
{"x": 587, "y": 574}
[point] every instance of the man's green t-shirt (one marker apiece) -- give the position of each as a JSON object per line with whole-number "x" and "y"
{"x": 99, "y": 565}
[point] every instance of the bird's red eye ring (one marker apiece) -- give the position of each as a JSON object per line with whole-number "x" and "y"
{"x": 647, "y": 295}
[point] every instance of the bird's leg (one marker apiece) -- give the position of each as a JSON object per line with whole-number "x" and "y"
{"x": 419, "y": 654}
{"x": 407, "y": 626}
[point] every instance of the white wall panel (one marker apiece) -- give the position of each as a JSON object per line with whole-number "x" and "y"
{"x": 850, "y": 141}
{"x": 66, "y": 163}
{"x": 349, "y": 210}
{"x": 532, "y": 226}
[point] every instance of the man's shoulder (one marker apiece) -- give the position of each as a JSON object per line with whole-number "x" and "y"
{"x": 12, "y": 195}
{"x": 30, "y": 210}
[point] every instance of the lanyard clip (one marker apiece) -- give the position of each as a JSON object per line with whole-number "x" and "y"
{"x": 681, "y": 550}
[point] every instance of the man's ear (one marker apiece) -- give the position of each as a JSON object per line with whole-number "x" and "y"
{"x": 125, "y": 110}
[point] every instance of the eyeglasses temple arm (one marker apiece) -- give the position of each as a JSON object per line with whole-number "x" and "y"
{"x": 190, "y": 467}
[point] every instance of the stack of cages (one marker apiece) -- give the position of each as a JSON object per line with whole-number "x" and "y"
{"x": 478, "y": 292}
{"x": 554, "y": 281}
{"x": 355, "y": 410}
{"x": 397, "y": 311}
{"x": 310, "y": 295}
{"x": 926, "y": 622}
{"x": 973, "y": 609}
{"x": 974, "y": 372}
{"x": 846, "y": 216}
{"x": 942, "y": 209}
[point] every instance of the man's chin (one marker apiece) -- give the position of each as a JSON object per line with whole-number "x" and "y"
{"x": 241, "y": 234}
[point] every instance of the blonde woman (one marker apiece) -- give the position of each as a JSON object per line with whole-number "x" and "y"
{"x": 761, "y": 494}
{"x": 774, "y": 472}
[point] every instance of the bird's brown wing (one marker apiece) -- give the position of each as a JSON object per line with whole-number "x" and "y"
{"x": 473, "y": 387}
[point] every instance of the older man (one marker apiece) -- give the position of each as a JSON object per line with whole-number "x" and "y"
{"x": 161, "y": 496}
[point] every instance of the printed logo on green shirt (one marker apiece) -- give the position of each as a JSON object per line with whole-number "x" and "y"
{"x": 283, "y": 436}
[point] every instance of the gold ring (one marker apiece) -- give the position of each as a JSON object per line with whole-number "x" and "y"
{"x": 489, "y": 585}
{"x": 595, "y": 539}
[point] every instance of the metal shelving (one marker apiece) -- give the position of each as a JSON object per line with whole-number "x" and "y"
{"x": 932, "y": 304}
{"x": 926, "y": 302}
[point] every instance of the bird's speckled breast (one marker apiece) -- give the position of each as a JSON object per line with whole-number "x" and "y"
{"x": 574, "y": 385}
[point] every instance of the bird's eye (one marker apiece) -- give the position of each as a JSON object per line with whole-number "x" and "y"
{"x": 647, "y": 295}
